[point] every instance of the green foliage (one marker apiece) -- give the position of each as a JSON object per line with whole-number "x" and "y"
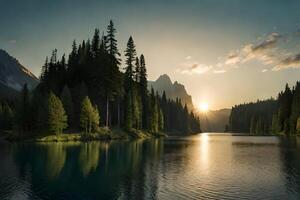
{"x": 130, "y": 54}
{"x": 92, "y": 69}
{"x": 89, "y": 116}
{"x": 269, "y": 116}
{"x": 298, "y": 126}
{"x": 67, "y": 102}
{"x": 244, "y": 117}
{"x": 6, "y": 116}
{"x": 129, "y": 114}
{"x": 24, "y": 112}
{"x": 57, "y": 118}
{"x": 161, "y": 120}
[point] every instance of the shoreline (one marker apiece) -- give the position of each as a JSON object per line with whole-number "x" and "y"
{"x": 103, "y": 135}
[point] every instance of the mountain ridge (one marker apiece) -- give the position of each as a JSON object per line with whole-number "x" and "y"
{"x": 13, "y": 74}
{"x": 173, "y": 90}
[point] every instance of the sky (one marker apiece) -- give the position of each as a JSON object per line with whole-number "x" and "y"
{"x": 225, "y": 52}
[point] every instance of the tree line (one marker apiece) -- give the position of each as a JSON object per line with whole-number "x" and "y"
{"x": 272, "y": 116}
{"x": 90, "y": 88}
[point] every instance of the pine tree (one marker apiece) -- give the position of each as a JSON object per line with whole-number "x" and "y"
{"x": 161, "y": 120}
{"x": 153, "y": 112}
{"x": 143, "y": 90}
{"x": 24, "y": 111}
{"x": 259, "y": 126}
{"x": 130, "y": 54}
{"x": 7, "y": 116}
{"x": 96, "y": 117}
{"x": 112, "y": 42}
{"x": 295, "y": 108}
{"x": 284, "y": 100}
{"x": 128, "y": 113}
{"x": 186, "y": 127}
{"x": 96, "y": 44}
{"x": 253, "y": 125}
{"x": 57, "y": 118}
{"x": 67, "y": 102}
{"x": 298, "y": 126}
{"x": 44, "y": 71}
{"x": 89, "y": 116}
{"x": 137, "y": 70}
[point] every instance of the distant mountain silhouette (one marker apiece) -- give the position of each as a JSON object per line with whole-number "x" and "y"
{"x": 13, "y": 74}
{"x": 214, "y": 120}
{"x": 173, "y": 90}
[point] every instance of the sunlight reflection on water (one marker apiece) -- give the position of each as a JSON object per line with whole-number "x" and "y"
{"x": 204, "y": 166}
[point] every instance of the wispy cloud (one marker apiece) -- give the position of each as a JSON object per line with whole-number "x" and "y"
{"x": 268, "y": 51}
{"x": 221, "y": 71}
{"x": 289, "y": 62}
{"x": 262, "y": 51}
{"x": 271, "y": 50}
{"x": 193, "y": 68}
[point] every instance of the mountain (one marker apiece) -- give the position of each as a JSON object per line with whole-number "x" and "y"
{"x": 13, "y": 74}
{"x": 214, "y": 120}
{"x": 173, "y": 90}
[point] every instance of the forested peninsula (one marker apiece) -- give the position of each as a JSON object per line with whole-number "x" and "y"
{"x": 90, "y": 95}
{"x": 272, "y": 116}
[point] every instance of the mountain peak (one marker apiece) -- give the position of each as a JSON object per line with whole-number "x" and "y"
{"x": 164, "y": 79}
{"x": 13, "y": 74}
{"x": 173, "y": 90}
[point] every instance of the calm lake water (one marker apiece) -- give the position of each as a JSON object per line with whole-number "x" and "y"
{"x": 205, "y": 166}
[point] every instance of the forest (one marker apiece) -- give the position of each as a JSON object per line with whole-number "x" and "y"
{"x": 272, "y": 116}
{"x": 92, "y": 88}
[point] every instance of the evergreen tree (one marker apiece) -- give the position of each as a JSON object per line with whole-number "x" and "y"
{"x": 57, "y": 118}
{"x": 137, "y": 70}
{"x": 67, "y": 102}
{"x": 96, "y": 44}
{"x": 153, "y": 112}
{"x": 24, "y": 119}
{"x": 284, "y": 101}
{"x": 112, "y": 42}
{"x": 298, "y": 126}
{"x": 295, "y": 108}
{"x": 161, "y": 120}
{"x": 253, "y": 125}
{"x": 6, "y": 116}
{"x": 89, "y": 116}
{"x": 129, "y": 114}
{"x": 143, "y": 90}
{"x": 44, "y": 71}
{"x": 130, "y": 54}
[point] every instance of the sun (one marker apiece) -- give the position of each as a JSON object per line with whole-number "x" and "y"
{"x": 203, "y": 107}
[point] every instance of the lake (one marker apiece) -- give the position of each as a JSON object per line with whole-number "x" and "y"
{"x": 204, "y": 166}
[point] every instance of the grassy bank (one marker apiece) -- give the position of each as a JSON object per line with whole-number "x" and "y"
{"x": 102, "y": 134}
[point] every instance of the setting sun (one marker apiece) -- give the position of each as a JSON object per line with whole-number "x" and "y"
{"x": 203, "y": 107}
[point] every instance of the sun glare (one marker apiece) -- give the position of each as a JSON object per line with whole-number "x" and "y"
{"x": 203, "y": 107}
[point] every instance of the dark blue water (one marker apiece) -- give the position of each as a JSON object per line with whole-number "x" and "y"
{"x": 207, "y": 166}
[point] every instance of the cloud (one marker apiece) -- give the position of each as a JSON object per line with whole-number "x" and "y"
{"x": 275, "y": 51}
{"x": 232, "y": 59}
{"x": 194, "y": 68}
{"x": 221, "y": 71}
{"x": 267, "y": 51}
{"x": 270, "y": 42}
{"x": 289, "y": 62}
{"x": 188, "y": 57}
